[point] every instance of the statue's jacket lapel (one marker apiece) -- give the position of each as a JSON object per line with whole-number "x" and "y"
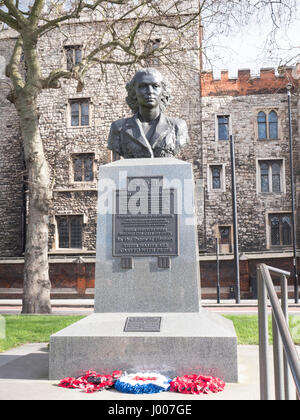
{"x": 135, "y": 144}
{"x": 132, "y": 133}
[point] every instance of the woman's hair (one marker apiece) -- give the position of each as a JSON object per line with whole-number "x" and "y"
{"x": 131, "y": 99}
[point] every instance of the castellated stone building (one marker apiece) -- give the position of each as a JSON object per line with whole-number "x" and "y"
{"x": 75, "y": 126}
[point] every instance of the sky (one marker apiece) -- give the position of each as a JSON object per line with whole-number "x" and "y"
{"x": 245, "y": 47}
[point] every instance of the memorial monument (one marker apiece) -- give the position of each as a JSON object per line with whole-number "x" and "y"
{"x": 147, "y": 313}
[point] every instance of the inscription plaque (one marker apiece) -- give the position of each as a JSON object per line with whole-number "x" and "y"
{"x": 142, "y": 324}
{"x": 145, "y": 222}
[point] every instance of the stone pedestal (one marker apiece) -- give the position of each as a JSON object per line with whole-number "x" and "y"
{"x": 147, "y": 268}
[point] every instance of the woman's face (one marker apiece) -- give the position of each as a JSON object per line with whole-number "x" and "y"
{"x": 148, "y": 89}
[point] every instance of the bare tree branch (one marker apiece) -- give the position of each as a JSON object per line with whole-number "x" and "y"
{"x": 9, "y": 20}
{"x": 15, "y": 12}
{"x": 13, "y": 67}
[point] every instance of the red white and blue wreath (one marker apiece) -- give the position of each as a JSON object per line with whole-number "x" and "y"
{"x": 143, "y": 383}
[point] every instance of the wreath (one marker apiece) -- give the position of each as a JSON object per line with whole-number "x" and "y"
{"x": 196, "y": 384}
{"x": 143, "y": 383}
{"x": 91, "y": 381}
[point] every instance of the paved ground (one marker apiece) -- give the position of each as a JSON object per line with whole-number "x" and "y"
{"x": 24, "y": 373}
{"x": 86, "y": 306}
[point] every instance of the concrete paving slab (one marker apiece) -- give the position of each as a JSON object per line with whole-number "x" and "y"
{"x": 24, "y": 376}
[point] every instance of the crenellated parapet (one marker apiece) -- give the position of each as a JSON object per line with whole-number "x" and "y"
{"x": 246, "y": 84}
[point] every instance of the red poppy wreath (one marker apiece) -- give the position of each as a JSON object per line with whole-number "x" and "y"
{"x": 196, "y": 384}
{"x": 91, "y": 381}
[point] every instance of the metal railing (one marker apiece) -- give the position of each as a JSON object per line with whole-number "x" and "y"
{"x": 285, "y": 356}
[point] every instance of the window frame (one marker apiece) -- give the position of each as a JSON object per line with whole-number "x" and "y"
{"x": 268, "y": 112}
{"x": 83, "y": 156}
{"x": 270, "y": 175}
{"x": 73, "y": 49}
{"x": 69, "y": 217}
{"x": 80, "y": 102}
{"x": 281, "y": 214}
{"x": 229, "y": 246}
{"x": 217, "y": 116}
{"x": 210, "y": 168}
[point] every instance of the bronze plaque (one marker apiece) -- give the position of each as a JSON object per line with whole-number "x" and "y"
{"x": 145, "y": 222}
{"x": 142, "y": 324}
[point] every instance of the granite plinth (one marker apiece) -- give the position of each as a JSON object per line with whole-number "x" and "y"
{"x": 147, "y": 287}
{"x": 190, "y": 340}
{"x": 203, "y": 343}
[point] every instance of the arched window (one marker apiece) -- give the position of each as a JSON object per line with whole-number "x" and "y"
{"x": 286, "y": 230}
{"x": 273, "y": 125}
{"x": 280, "y": 229}
{"x": 267, "y": 124}
{"x": 275, "y": 230}
{"x": 262, "y": 125}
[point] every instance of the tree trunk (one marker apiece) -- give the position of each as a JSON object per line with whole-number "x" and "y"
{"x": 36, "y": 287}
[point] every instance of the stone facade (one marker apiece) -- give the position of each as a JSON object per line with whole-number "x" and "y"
{"x": 197, "y": 98}
{"x": 11, "y": 168}
{"x": 242, "y": 99}
{"x": 105, "y": 93}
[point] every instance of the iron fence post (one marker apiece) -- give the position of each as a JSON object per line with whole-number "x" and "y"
{"x": 264, "y": 369}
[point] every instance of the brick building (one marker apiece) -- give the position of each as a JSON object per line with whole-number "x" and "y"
{"x": 74, "y": 127}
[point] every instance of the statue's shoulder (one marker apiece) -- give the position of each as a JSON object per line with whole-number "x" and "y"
{"x": 181, "y": 130}
{"x": 121, "y": 123}
{"x": 177, "y": 123}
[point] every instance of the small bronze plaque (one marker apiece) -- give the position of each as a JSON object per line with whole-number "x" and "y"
{"x": 127, "y": 263}
{"x": 142, "y": 324}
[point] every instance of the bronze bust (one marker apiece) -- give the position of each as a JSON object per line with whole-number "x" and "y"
{"x": 149, "y": 133}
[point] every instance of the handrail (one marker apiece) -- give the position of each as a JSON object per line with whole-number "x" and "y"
{"x": 282, "y": 339}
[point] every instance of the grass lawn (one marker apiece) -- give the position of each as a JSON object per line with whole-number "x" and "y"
{"x": 22, "y": 329}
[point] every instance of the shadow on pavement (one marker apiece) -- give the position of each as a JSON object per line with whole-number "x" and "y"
{"x": 30, "y": 366}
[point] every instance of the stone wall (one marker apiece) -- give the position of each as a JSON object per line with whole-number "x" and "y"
{"x": 11, "y": 168}
{"x": 252, "y": 206}
{"x": 106, "y": 93}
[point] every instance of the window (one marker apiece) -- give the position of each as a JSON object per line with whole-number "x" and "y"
{"x": 79, "y": 112}
{"x": 280, "y": 229}
{"x": 273, "y": 125}
{"x": 267, "y": 125}
{"x": 262, "y": 125}
{"x": 223, "y": 127}
{"x": 83, "y": 167}
{"x": 225, "y": 239}
{"x": 216, "y": 182}
{"x": 69, "y": 229}
{"x": 270, "y": 176}
{"x": 73, "y": 54}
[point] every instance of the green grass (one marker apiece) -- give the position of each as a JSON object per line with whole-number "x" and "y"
{"x": 22, "y": 329}
{"x": 246, "y": 327}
